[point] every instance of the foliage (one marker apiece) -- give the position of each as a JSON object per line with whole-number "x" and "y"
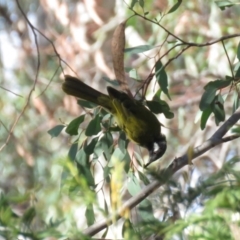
{"x": 66, "y": 164}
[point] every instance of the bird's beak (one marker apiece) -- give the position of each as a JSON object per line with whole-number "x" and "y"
{"x": 157, "y": 149}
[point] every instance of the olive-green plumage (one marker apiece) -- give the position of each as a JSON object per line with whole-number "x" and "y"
{"x": 140, "y": 124}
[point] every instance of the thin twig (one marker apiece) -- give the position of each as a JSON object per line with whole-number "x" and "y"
{"x": 34, "y": 84}
{"x": 11, "y": 91}
{"x": 182, "y": 42}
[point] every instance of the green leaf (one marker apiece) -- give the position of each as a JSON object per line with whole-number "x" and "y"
{"x": 106, "y": 231}
{"x": 236, "y": 130}
{"x": 133, "y": 3}
{"x": 89, "y": 149}
{"x": 107, "y": 121}
{"x": 236, "y": 102}
{"x": 141, "y": 3}
{"x": 236, "y": 66}
{"x": 133, "y": 74}
{"x": 218, "y": 109}
{"x": 219, "y": 84}
{"x": 107, "y": 144}
{"x": 160, "y": 106}
{"x": 169, "y": 115}
{"x": 237, "y": 72}
{"x": 138, "y": 49}
{"x": 210, "y": 92}
{"x": 120, "y": 156}
{"x": 222, "y": 4}
{"x": 207, "y": 98}
{"x": 205, "y": 115}
{"x": 83, "y": 164}
{"x": 86, "y": 104}
{"x": 155, "y": 106}
{"x": 73, "y": 151}
{"x": 107, "y": 173}
{"x": 29, "y": 215}
{"x": 143, "y": 178}
{"x": 72, "y": 128}
{"x": 127, "y": 161}
{"x": 89, "y": 214}
{"x": 122, "y": 142}
{"x": 138, "y": 158}
{"x": 82, "y": 158}
{"x": 133, "y": 185}
{"x": 146, "y": 211}
{"x": 117, "y": 154}
{"x": 128, "y": 231}
{"x": 226, "y": 199}
{"x": 55, "y": 131}
{"x": 162, "y": 78}
{"x": 94, "y": 126}
{"x": 112, "y": 82}
{"x": 238, "y": 51}
{"x": 175, "y": 6}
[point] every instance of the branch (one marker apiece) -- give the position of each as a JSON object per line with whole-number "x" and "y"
{"x": 34, "y": 32}
{"x": 183, "y": 42}
{"x": 35, "y": 79}
{"x": 178, "y": 163}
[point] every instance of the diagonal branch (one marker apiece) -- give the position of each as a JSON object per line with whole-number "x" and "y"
{"x": 178, "y": 163}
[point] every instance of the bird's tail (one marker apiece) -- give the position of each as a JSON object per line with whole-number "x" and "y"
{"x": 79, "y": 89}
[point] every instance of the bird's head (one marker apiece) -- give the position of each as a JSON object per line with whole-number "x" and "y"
{"x": 156, "y": 149}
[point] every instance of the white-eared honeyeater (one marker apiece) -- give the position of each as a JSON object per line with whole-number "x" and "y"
{"x": 138, "y": 122}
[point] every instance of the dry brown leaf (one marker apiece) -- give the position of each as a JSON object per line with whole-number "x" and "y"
{"x": 118, "y": 44}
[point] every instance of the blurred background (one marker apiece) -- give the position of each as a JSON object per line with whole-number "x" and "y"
{"x": 32, "y": 165}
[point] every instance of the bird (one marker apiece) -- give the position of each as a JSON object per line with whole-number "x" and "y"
{"x": 137, "y": 121}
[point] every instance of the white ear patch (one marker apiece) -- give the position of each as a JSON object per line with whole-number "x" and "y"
{"x": 155, "y": 147}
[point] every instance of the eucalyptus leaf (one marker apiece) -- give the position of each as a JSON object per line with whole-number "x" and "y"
{"x": 72, "y": 128}
{"x": 107, "y": 144}
{"x": 237, "y": 73}
{"x": 141, "y": 3}
{"x": 161, "y": 77}
{"x": 207, "y": 98}
{"x": 145, "y": 210}
{"x": 55, "y": 131}
{"x": 86, "y": 104}
{"x": 133, "y": 3}
{"x": 236, "y": 102}
{"x": 122, "y": 142}
{"x": 160, "y": 106}
{"x": 222, "y": 4}
{"x": 175, "y": 6}
{"x": 112, "y": 82}
{"x": 89, "y": 149}
{"x": 89, "y": 214}
{"x": 138, "y": 49}
{"x": 238, "y": 51}
{"x": 83, "y": 165}
{"x": 205, "y": 115}
{"x": 107, "y": 173}
{"x": 218, "y": 109}
{"x": 133, "y": 185}
{"x": 73, "y": 151}
{"x": 94, "y": 126}
{"x": 218, "y": 84}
